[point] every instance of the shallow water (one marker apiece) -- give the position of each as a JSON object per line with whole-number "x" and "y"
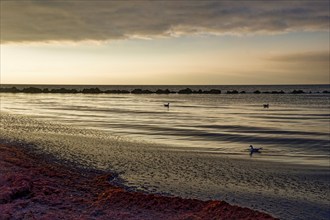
{"x": 195, "y": 149}
{"x": 294, "y": 129}
{"x": 285, "y": 190}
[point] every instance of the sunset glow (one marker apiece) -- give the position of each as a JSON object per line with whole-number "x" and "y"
{"x": 164, "y": 43}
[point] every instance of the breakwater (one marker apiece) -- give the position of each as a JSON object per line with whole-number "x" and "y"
{"x": 143, "y": 91}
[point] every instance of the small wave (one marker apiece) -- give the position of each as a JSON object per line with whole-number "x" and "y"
{"x": 157, "y": 168}
{"x": 255, "y": 129}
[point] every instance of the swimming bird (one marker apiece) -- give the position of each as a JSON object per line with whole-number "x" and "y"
{"x": 254, "y": 150}
{"x": 266, "y": 105}
{"x": 167, "y": 105}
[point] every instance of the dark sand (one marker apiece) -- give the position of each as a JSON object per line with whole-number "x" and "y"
{"x": 38, "y": 187}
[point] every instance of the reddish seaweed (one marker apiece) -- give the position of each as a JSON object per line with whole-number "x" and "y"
{"x": 33, "y": 188}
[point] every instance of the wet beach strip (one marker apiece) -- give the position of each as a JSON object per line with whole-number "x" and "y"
{"x": 41, "y": 187}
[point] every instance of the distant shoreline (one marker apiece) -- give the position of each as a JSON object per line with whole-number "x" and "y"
{"x": 187, "y": 90}
{"x": 159, "y": 85}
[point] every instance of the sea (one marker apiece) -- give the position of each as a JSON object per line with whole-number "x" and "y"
{"x": 198, "y": 147}
{"x": 294, "y": 129}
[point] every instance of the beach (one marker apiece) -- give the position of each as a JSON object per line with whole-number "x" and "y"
{"x": 164, "y": 110}
{"x": 197, "y": 149}
{"x": 34, "y": 187}
{"x": 286, "y": 191}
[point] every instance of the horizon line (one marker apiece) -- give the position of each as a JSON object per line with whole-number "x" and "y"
{"x": 46, "y": 84}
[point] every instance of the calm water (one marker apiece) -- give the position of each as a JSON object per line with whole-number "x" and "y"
{"x": 294, "y": 129}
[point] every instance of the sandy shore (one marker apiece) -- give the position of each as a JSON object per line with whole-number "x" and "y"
{"x": 284, "y": 190}
{"x": 34, "y": 187}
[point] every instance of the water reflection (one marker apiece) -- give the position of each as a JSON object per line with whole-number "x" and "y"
{"x": 223, "y": 122}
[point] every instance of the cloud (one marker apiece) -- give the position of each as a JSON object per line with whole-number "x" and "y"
{"x": 42, "y": 21}
{"x": 303, "y": 57}
{"x": 303, "y": 67}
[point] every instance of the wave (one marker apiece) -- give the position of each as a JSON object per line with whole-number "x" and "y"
{"x": 196, "y": 173}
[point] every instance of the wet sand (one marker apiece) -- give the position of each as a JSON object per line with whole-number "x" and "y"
{"x": 40, "y": 187}
{"x": 284, "y": 190}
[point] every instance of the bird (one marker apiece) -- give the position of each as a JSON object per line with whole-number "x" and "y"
{"x": 266, "y": 105}
{"x": 167, "y": 105}
{"x": 254, "y": 150}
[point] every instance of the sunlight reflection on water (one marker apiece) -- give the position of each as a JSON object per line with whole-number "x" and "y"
{"x": 295, "y": 128}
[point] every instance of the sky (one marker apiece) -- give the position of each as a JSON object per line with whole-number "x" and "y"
{"x": 164, "y": 42}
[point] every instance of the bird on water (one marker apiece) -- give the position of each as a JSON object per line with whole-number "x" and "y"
{"x": 254, "y": 150}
